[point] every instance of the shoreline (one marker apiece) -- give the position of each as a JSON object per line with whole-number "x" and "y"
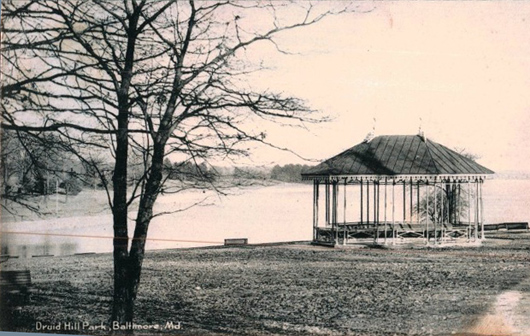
{"x": 495, "y": 238}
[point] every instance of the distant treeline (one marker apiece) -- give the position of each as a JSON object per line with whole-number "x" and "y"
{"x": 186, "y": 171}
{"x": 288, "y": 173}
{"x": 190, "y": 171}
{"x": 30, "y": 168}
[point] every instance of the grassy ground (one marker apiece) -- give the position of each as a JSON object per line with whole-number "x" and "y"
{"x": 284, "y": 290}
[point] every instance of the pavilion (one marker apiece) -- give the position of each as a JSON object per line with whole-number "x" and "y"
{"x": 396, "y": 188}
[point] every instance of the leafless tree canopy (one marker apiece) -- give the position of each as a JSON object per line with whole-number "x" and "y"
{"x": 143, "y": 79}
{"x": 177, "y": 68}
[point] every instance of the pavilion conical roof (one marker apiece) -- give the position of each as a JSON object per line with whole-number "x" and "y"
{"x": 397, "y": 155}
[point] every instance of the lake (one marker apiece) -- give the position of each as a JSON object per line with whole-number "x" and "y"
{"x": 275, "y": 213}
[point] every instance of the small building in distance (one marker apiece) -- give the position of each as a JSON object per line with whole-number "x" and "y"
{"x": 396, "y": 188}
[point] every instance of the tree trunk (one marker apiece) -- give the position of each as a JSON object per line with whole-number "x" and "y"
{"x": 122, "y": 305}
{"x": 124, "y": 294}
{"x": 127, "y": 268}
{"x": 122, "y": 310}
{"x": 145, "y": 214}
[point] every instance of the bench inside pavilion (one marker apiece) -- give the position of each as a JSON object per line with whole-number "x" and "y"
{"x": 397, "y": 188}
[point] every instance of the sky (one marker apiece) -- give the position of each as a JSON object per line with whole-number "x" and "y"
{"x": 459, "y": 70}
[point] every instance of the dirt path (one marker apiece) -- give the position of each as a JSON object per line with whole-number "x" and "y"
{"x": 509, "y": 315}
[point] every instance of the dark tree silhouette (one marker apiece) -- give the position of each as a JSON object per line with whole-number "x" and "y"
{"x": 452, "y": 198}
{"x": 133, "y": 81}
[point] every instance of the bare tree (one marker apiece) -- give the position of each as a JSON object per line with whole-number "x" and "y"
{"x": 452, "y": 204}
{"x": 144, "y": 79}
{"x": 453, "y": 199}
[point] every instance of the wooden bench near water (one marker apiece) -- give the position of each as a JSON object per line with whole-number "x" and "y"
{"x": 507, "y": 226}
{"x": 236, "y": 241}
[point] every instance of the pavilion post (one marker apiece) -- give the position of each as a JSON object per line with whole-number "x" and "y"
{"x": 375, "y": 202}
{"x": 393, "y": 212}
{"x": 411, "y": 201}
{"x": 326, "y": 191}
{"x": 481, "y": 211}
{"x": 362, "y": 205}
{"x": 458, "y": 207}
{"x": 449, "y": 193}
{"x": 476, "y": 210}
{"x": 345, "y": 204}
{"x": 456, "y": 202}
{"x": 442, "y": 213}
{"x": 315, "y": 209}
{"x": 385, "y": 211}
{"x": 418, "y": 210}
{"x": 404, "y": 201}
{"x": 378, "y": 201}
{"x": 469, "y": 209}
{"x": 378, "y": 207}
{"x": 435, "y": 211}
{"x": 427, "y": 206}
{"x": 367, "y": 203}
{"x": 334, "y": 211}
{"x": 446, "y": 196}
{"x": 376, "y": 210}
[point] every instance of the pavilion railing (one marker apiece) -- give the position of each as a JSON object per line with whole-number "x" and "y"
{"x": 350, "y": 232}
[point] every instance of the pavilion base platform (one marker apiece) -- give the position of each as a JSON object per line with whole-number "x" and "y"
{"x": 377, "y": 234}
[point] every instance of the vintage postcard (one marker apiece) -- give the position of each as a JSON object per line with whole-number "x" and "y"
{"x": 265, "y": 167}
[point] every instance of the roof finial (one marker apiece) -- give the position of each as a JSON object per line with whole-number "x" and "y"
{"x": 420, "y": 130}
{"x": 371, "y": 134}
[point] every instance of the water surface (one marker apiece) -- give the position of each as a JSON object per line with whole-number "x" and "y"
{"x": 262, "y": 214}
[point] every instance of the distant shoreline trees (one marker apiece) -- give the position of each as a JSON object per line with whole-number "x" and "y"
{"x": 288, "y": 173}
{"x": 188, "y": 171}
{"x": 36, "y": 166}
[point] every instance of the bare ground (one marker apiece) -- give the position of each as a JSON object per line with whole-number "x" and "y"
{"x": 295, "y": 290}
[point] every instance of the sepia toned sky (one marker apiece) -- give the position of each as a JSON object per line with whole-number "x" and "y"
{"x": 462, "y": 67}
